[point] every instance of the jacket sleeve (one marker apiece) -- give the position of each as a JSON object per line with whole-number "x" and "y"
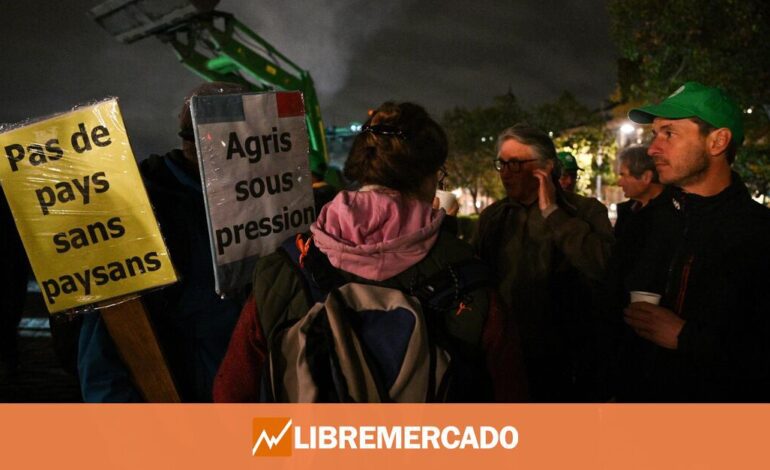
{"x": 485, "y": 229}
{"x": 585, "y": 239}
{"x": 239, "y": 375}
{"x": 500, "y": 340}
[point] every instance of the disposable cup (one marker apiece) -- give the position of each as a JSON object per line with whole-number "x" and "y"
{"x": 642, "y": 296}
{"x": 446, "y": 199}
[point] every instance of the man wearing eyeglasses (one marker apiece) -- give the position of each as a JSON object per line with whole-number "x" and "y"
{"x": 548, "y": 249}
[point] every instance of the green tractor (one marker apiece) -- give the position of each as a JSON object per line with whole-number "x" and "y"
{"x": 217, "y": 47}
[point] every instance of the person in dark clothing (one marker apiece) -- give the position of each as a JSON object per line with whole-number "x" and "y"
{"x": 708, "y": 340}
{"x": 628, "y": 269}
{"x": 549, "y": 249}
{"x": 192, "y": 322}
{"x": 13, "y": 279}
{"x": 569, "y": 168}
{"x": 640, "y": 183}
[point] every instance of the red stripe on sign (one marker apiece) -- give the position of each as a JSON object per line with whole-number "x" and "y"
{"x": 289, "y": 104}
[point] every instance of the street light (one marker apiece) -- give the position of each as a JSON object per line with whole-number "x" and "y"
{"x": 624, "y": 134}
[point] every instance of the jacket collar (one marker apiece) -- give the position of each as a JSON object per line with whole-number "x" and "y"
{"x": 694, "y": 203}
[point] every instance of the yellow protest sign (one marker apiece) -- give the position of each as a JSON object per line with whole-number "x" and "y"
{"x": 81, "y": 208}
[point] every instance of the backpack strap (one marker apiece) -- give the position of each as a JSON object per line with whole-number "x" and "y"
{"x": 318, "y": 276}
{"x": 437, "y": 293}
{"x": 451, "y": 284}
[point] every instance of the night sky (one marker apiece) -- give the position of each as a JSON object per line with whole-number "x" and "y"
{"x": 438, "y": 53}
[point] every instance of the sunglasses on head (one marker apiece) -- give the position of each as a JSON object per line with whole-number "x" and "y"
{"x": 384, "y": 129}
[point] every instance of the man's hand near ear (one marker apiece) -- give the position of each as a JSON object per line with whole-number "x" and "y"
{"x": 546, "y": 196}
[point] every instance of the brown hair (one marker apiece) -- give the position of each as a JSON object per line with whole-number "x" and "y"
{"x": 637, "y": 161}
{"x": 399, "y": 146}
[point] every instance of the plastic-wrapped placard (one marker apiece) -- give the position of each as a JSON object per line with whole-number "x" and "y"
{"x": 81, "y": 209}
{"x": 253, "y": 154}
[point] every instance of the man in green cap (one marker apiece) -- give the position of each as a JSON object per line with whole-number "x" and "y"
{"x": 569, "y": 169}
{"x": 709, "y": 337}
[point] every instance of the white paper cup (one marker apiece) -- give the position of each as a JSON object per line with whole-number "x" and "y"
{"x": 642, "y": 296}
{"x": 446, "y": 200}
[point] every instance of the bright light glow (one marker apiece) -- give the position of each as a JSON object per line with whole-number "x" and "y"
{"x": 750, "y": 110}
{"x": 457, "y": 192}
{"x": 627, "y": 128}
{"x": 478, "y": 204}
{"x": 550, "y": 133}
{"x": 483, "y": 139}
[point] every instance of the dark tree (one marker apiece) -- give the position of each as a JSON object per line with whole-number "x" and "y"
{"x": 724, "y": 43}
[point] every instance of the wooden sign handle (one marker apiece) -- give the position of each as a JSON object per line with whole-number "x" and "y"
{"x": 131, "y": 330}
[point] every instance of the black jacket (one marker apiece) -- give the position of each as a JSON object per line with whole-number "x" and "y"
{"x": 708, "y": 257}
{"x": 193, "y": 323}
{"x": 13, "y": 282}
{"x": 633, "y": 229}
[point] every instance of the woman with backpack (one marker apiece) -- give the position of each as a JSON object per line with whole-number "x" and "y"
{"x": 377, "y": 303}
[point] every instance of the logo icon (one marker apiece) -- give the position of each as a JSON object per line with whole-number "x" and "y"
{"x": 270, "y": 439}
{"x": 678, "y": 90}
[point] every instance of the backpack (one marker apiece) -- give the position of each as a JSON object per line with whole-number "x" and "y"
{"x": 368, "y": 342}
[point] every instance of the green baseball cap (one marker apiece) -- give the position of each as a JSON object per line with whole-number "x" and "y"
{"x": 568, "y": 161}
{"x": 695, "y": 100}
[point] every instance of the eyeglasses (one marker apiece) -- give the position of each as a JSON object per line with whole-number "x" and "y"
{"x": 442, "y": 174}
{"x": 384, "y": 129}
{"x": 513, "y": 164}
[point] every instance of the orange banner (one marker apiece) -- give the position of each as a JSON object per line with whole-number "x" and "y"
{"x": 384, "y": 436}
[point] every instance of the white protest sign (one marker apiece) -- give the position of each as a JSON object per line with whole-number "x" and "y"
{"x": 253, "y": 154}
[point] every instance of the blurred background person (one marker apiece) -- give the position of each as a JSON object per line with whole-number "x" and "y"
{"x": 640, "y": 183}
{"x": 569, "y": 168}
